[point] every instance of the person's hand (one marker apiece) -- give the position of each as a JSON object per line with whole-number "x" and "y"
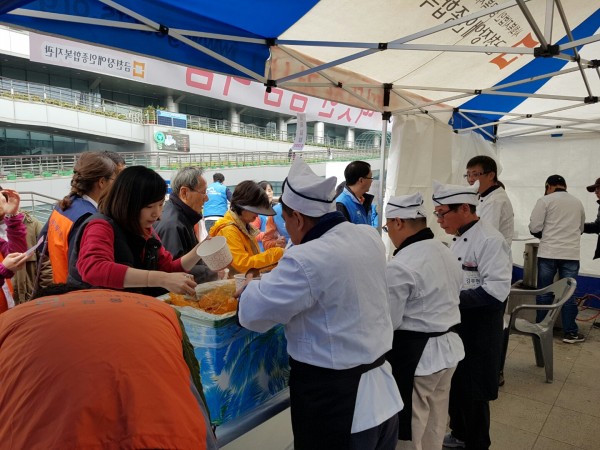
{"x": 9, "y": 201}
{"x": 180, "y": 283}
{"x": 252, "y": 273}
{"x": 223, "y": 274}
{"x": 280, "y": 242}
{"x": 14, "y": 261}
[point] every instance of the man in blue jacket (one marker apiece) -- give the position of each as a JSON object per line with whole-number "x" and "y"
{"x": 354, "y": 202}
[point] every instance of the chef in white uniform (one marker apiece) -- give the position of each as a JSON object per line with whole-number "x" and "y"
{"x": 496, "y": 209}
{"x": 483, "y": 254}
{"x": 330, "y": 291}
{"x": 494, "y": 205}
{"x": 424, "y": 283}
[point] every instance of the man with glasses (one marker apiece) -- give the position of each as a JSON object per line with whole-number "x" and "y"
{"x": 494, "y": 205}
{"x": 180, "y": 215}
{"x": 354, "y": 202}
{"x": 594, "y": 227}
{"x": 424, "y": 282}
{"x": 483, "y": 254}
{"x": 558, "y": 220}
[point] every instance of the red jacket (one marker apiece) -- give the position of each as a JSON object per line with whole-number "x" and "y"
{"x": 96, "y": 263}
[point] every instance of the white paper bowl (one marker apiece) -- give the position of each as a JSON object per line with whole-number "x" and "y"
{"x": 215, "y": 253}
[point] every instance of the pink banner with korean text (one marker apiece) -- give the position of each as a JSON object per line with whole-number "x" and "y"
{"x": 52, "y": 50}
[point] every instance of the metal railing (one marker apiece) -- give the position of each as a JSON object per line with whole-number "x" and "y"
{"x": 94, "y": 104}
{"x": 68, "y": 98}
{"x": 48, "y": 166}
{"x": 39, "y": 205}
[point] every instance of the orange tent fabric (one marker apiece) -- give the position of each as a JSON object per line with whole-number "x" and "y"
{"x": 96, "y": 369}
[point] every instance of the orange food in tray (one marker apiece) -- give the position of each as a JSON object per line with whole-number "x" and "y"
{"x": 216, "y": 301}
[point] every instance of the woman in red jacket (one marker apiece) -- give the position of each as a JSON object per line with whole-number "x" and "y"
{"x": 12, "y": 257}
{"x": 119, "y": 249}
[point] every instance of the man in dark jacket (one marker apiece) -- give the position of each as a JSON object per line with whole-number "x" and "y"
{"x": 182, "y": 212}
{"x": 594, "y": 227}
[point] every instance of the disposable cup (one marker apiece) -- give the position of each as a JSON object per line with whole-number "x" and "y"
{"x": 240, "y": 279}
{"x": 215, "y": 253}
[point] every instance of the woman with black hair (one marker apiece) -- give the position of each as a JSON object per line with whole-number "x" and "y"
{"x": 119, "y": 249}
{"x": 247, "y": 202}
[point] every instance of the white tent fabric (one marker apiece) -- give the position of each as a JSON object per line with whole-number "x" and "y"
{"x": 435, "y": 65}
{"x": 423, "y": 150}
{"x": 528, "y": 161}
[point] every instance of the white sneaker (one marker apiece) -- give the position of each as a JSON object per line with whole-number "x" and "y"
{"x": 451, "y": 442}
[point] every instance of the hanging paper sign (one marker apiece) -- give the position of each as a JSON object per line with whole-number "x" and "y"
{"x": 301, "y": 132}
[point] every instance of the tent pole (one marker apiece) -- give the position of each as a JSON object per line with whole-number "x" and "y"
{"x": 382, "y": 173}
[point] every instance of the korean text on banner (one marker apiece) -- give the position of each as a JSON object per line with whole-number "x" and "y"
{"x": 301, "y": 131}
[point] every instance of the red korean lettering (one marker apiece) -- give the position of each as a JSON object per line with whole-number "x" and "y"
{"x": 274, "y": 92}
{"x": 502, "y": 62}
{"x": 200, "y": 79}
{"x": 228, "y": 83}
{"x": 330, "y": 113}
{"x": 346, "y": 115}
{"x": 298, "y": 103}
{"x": 364, "y": 112}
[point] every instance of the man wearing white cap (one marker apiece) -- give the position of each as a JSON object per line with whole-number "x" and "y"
{"x": 494, "y": 205}
{"x": 424, "y": 282}
{"x": 484, "y": 256}
{"x": 330, "y": 291}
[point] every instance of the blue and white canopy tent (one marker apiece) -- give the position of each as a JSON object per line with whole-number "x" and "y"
{"x": 479, "y": 59}
{"x": 518, "y": 79}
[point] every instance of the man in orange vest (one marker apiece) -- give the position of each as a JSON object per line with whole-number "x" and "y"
{"x": 12, "y": 257}
{"x": 99, "y": 368}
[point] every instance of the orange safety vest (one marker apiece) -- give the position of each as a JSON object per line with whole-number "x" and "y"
{"x": 3, "y": 300}
{"x": 59, "y": 227}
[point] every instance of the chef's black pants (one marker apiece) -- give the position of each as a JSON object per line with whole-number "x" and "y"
{"x": 381, "y": 437}
{"x": 470, "y": 420}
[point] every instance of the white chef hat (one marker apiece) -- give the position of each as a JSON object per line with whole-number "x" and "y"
{"x": 405, "y": 207}
{"x": 306, "y": 192}
{"x": 450, "y": 194}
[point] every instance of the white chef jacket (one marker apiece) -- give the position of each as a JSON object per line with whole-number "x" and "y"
{"x": 496, "y": 209}
{"x": 484, "y": 256}
{"x": 331, "y": 294}
{"x": 560, "y": 217}
{"x": 424, "y": 283}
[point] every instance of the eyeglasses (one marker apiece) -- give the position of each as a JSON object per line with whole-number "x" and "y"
{"x": 199, "y": 192}
{"x": 441, "y": 215}
{"x": 368, "y": 178}
{"x": 475, "y": 174}
{"x": 385, "y": 227}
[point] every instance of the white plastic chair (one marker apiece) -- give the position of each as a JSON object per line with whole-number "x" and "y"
{"x": 541, "y": 333}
